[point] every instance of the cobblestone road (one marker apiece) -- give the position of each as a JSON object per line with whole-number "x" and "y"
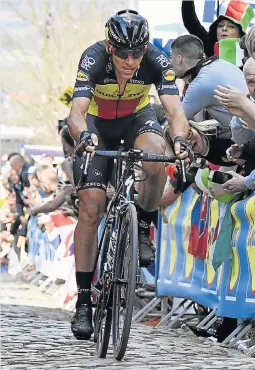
{"x": 35, "y": 335}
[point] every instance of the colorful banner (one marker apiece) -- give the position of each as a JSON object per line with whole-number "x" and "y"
{"x": 237, "y": 285}
{"x": 180, "y": 274}
{"x": 196, "y": 220}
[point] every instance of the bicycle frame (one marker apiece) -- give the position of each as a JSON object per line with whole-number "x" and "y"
{"x": 125, "y": 186}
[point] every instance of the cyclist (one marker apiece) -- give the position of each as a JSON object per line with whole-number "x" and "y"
{"x": 112, "y": 85}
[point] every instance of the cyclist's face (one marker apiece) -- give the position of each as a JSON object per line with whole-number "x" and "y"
{"x": 227, "y": 29}
{"x": 126, "y": 68}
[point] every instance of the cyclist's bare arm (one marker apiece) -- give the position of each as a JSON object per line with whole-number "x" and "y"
{"x": 178, "y": 124}
{"x": 76, "y": 119}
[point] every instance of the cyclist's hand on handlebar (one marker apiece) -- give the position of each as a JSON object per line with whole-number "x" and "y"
{"x": 87, "y": 144}
{"x": 180, "y": 149}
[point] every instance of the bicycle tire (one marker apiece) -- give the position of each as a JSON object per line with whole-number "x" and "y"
{"x": 103, "y": 316}
{"x": 127, "y": 238}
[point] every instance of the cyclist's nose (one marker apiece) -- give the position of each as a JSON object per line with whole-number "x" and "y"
{"x": 130, "y": 60}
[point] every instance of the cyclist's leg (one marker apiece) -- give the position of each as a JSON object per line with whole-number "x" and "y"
{"x": 91, "y": 208}
{"x": 145, "y": 133}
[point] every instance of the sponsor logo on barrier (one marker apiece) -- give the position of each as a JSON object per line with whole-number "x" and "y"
{"x": 169, "y": 75}
{"x": 81, "y": 76}
{"x": 87, "y": 62}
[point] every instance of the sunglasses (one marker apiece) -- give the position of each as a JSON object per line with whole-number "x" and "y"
{"x": 125, "y": 53}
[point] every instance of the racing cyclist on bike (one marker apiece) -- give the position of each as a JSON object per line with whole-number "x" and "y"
{"x": 111, "y": 90}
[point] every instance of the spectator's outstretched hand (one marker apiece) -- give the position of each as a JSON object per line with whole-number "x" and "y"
{"x": 231, "y": 98}
{"x": 235, "y": 185}
{"x": 234, "y": 153}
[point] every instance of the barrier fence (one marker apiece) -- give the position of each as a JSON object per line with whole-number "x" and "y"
{"x": 193, "y": 240}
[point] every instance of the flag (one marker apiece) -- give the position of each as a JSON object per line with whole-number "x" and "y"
{"x": 198, "y": 240}
{"x": 229, "y": 50}
{"x": 223, "y": 248}
{"x": 238, "y": 12}
{"x": 67, "y": 97}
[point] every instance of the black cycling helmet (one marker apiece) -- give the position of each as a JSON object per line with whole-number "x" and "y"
{"x": 127, "y": 29}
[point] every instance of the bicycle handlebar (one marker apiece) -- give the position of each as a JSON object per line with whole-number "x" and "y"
{"x": 135, "y": 155}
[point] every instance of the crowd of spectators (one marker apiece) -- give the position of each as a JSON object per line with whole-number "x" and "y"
{"x": 30, "y": 188}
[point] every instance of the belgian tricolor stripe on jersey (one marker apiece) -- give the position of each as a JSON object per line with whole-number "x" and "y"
{"x": 107, "y": 103}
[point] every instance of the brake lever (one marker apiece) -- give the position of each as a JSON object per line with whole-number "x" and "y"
{"x": 85, "y": 166}
{"x": 182, "y": 180}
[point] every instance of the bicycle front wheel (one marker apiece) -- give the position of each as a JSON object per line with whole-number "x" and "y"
{"x": 124, "y": 277}
{"x": 103, "y": 312}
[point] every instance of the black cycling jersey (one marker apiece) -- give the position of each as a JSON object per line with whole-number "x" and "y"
{"x": 96, "y": 80}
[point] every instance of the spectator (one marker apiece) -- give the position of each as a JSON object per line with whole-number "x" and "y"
{"x": 46, "y": 161}
{"x": 250, "y": 42}
{"x": 49, "y": 181}
{"x": 231, "y": 23}
{"x": 238, "y": 103}
{"x": 203, "y": 77}
{"x": 18, "y": 163}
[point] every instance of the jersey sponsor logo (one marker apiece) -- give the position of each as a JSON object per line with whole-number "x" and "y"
{"x": 109, "y": 67}
{"x": 140, "y": 82}
{"x": 109, "y": 81}
{"x": 87, "y": 62}
{"x": 172, "y": 87}
{"x": 81, "y": 76}
{"x": 107, "y": 95}
{"x": 150, "y": 123}
{"x": 94, "y": 184}
{"x": 169, "y": 75}
{"x": 163, "y": 61}
{"x": 84, "y": 88}
{"x": 97, "y": 173}
{"x": 135, "y": 94}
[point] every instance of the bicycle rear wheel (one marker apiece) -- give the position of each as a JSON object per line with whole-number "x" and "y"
{"x": 103, "y": 312}
{"x": 124, "y": 277}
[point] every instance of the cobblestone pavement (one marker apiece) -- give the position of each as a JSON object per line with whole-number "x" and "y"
{"x": 35, "y": 335}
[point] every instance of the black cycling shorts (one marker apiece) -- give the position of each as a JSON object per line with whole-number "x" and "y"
{"x": 110, "y": 133}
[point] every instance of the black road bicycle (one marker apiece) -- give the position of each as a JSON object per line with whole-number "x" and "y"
{"x": 118, "y": 249}
{"x": 118, "y": 253}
